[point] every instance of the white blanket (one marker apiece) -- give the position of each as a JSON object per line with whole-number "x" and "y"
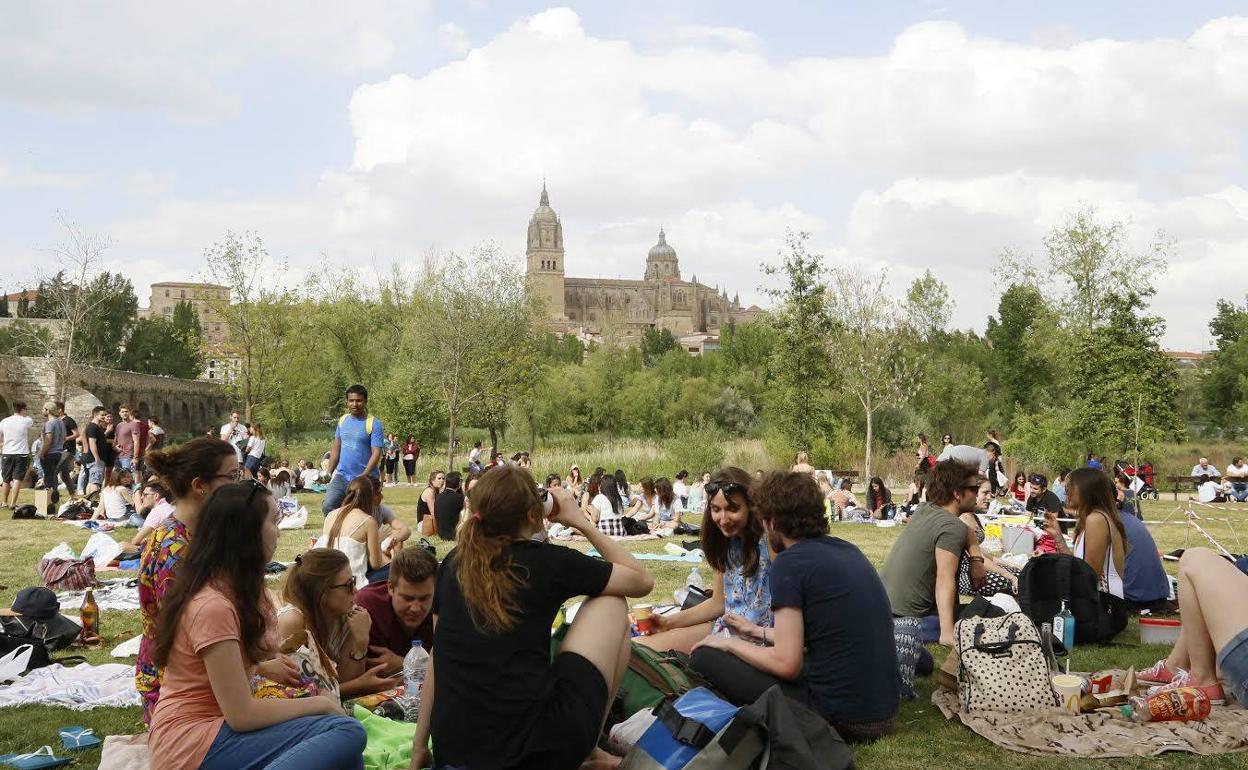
{"x": 81, "y": 688}
{"x": 110, "y": 595}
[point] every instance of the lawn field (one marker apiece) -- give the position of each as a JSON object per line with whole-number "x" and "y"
{"x": 925, "y": 739}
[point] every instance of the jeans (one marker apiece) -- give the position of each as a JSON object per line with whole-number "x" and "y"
{"x": 65, "y": 471}
{"x": 96, "y": 472}
{"x": 49, "y": 463}
{"x": 1239, "y": 491}
{"x": 379, "y": 575}
{"x": 334, "y": 494}
{"x": 306, "y": 743}
{"x": 125, "y": 463}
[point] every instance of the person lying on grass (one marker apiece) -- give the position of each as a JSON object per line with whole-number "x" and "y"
{"x": 214, "y": 628}
{"x": 832, "y": 645}
{"x": 1213, "y": 643}
{"x": 736, "y": 547}
{"x": 492, "y": 697}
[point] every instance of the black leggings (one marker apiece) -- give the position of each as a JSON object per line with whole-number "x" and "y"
{"x": 409, "y": 468}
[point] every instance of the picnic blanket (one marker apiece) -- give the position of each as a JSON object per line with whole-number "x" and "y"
{"x": 389, "y": 744}
{"x": 1102, "y": 733}
{"x": 116, "y": 594}
{"x": 81, "y": 688}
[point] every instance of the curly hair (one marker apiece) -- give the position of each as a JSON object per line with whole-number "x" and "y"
{"x": 791, "y": 504}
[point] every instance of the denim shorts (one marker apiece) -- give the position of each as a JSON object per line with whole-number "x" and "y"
{"x": 95, "y": 473}
{"x": 1233, "y": 665}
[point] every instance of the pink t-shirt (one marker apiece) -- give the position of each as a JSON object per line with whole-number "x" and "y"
{"x": 123, "y": 438}
{"x": 187, "y": 717}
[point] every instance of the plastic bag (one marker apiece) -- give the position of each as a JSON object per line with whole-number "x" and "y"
{"x": 101, "y": 549}
{"x": 62, "y": 551}
{"x": 13, "y": 664}
{"x": 296, "y": 520}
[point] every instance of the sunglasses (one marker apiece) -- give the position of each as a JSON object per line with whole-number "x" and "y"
{"x": 349, "y": 584}
{"x": 237, "y": 475}
{"x": 728, "y": 488}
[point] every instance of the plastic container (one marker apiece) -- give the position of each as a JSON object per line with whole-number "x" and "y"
{"x": 1016, "y": 539}
{"x": 415, "y": 663}
{"x": 1160, "y": 630}
{"x": 1186, "y": 704}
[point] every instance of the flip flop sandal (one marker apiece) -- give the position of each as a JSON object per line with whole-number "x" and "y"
{"x": 77, "y": 738}
{"x": 35, "y": 760}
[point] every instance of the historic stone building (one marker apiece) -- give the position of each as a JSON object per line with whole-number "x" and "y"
{"x": 660, "y": 299}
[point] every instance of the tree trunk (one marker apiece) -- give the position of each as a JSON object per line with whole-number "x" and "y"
{"x": 866, "y": 463}
{"x": 493, "y": 441}
{"x": 450, "y": 445}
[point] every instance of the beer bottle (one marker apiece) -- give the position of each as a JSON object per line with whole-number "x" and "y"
{"x": 90, "y": 618}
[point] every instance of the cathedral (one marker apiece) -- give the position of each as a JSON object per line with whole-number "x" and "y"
{"x": 660, "y": 299}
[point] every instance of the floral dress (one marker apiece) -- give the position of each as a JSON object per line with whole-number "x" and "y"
{"x": 749, "y": 597}
{"x": 162, "y": 553}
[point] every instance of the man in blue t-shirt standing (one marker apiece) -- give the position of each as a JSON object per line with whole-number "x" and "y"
{"x": 358, "y": 440}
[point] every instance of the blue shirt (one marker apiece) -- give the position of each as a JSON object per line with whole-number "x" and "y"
{"x": 851, "y": 657}
{"x": 1145, "y": 579}
{"x": 357, "y": 445}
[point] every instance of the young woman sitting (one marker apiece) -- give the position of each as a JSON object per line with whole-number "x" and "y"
{"x": 353, "y": 530}
{"x": 832, "y": 645}
{"x": 666, "y": 506}
{"x": 428, "y": 502}
{"x": 209, "y": 637}
{"x": 319, "y": 617}
{"x": 880, "y": 500}
{"x": 1100, "y": 538}
{"x": 610, "y": 507}
{"x": 492, "y": 697}
{"x": 1018, "y": 487}
{"x": 117, "y": 501}
{"x": 642, "y": 507}
{"x": 977, "y": 574}
{"x": 737, "y": 550}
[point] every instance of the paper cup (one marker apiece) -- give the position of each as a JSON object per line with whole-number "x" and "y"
{"x": 642, "y": 611}
{"x": 1068, "y": 688}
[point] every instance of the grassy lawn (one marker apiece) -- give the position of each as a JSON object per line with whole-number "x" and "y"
{"x": 925, "y": 739}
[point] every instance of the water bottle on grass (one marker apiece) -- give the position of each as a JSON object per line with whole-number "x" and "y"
{"x": 415, "y": 663}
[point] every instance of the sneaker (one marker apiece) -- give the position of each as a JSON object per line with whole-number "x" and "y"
{"x": 1157, "y": 674}
{"x": 1183, "y": 679}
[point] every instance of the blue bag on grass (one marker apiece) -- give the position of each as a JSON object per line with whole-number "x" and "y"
{"x": 697, "y": 730}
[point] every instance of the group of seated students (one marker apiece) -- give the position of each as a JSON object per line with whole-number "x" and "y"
{"x": 234, "y": 676}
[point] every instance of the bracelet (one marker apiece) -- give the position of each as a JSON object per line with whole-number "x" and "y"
{"x": 358, "y": 658}
{"x": 976, "y": 558}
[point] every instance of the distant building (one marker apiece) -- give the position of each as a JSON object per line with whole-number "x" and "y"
{"x": 660, "y": 299}
{"x": 202, "y": 296}
{"x": 1185, "y": 359}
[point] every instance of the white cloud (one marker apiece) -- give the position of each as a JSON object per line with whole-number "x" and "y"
{"x": 182, "y": 59}
{"x": 23, "y": 176}
{"x": 453, "y": 38}
{"x": 733, "y": 37}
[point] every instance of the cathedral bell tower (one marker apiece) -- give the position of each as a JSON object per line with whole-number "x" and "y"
{"x": 544, "y": 269}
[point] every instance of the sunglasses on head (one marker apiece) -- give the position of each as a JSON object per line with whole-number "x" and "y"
{"x": 727, "y": 487}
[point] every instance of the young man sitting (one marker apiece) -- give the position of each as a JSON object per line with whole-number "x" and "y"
{"x": 832, "y": 645}
{"x": 921, "y": 571}
{"x": 399, "y": 609}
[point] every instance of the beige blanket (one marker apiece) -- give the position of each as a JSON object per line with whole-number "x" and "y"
{"x": 1102, "y": 733}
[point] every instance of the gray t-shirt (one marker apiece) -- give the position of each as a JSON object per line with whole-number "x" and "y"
{"x": 55, "y": 427}
{"x": 909, "y": 572}
{"x": 965, "y": 453}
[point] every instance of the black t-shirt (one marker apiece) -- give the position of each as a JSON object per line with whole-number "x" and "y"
{"x": 94, "y": 431}
{"x": 1047, "y": 501}
{"x": 447, "y": 507}
{"x": 491, "y": 687}
{"x": 70, "y": 427}
{"x": 851, "y": 658}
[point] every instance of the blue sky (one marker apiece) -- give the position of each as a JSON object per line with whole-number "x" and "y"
{"x": 906, "y": 135}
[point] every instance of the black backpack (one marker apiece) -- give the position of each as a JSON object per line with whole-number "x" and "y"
{"x": 1050, "y": 579}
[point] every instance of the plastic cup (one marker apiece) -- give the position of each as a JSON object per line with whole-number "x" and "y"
{"x": 1068, "y": 688}
{"x": 642, "y": 614}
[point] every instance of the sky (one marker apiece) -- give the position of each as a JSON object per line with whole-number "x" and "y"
{"x": 901, "y": 135}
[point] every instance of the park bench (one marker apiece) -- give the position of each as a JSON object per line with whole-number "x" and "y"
{"x": 1179, "y": 481}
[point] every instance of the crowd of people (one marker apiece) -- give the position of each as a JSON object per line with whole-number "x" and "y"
{"x": 234, "y": 675}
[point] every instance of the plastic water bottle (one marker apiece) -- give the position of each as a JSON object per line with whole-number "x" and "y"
{"x": 415, "y": 664}
{"x": 695, "y": 579}
{"x": 1064, "y": 627}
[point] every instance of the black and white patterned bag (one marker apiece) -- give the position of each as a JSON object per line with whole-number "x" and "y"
{"x": 1003, "y": 665}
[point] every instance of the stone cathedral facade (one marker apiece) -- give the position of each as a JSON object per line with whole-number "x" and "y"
{"x": 659, "y": 299}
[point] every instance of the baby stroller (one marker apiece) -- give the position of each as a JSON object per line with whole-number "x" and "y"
{"x": 1147, "y": 490}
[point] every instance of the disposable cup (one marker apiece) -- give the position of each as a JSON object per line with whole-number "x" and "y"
{"x": 1068, "y": 688}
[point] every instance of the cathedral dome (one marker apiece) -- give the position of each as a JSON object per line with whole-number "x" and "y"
{"x": 661, "y": 250}
{"x": 543, "y": 212}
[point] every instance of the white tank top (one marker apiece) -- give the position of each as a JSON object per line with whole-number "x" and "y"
{"x": 1111, "y": 572}
{"x": 355, "y": 551}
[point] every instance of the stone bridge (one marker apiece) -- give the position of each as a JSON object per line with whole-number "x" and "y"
{"x": 182, "y": 406}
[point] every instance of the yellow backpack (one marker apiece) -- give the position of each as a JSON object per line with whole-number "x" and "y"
{"x": 368, "y": 423}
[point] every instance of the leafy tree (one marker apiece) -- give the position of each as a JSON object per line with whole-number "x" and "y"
{"x": 869, "y": 346}
{"x": 1224, "y": 380}
{"x": 1018, "y": 367}
{"x": 928, "y": 306}
{"x": 798, "y": 370}
{"x": 23, "y": 306}
{"x": 654, "y": 343}
{"x": 158, "y": 346}
{"x": 4, "y": 306}
{"x": 24, "y": 339}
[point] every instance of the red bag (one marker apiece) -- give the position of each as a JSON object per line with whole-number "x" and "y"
{"x": 68, "y": 574}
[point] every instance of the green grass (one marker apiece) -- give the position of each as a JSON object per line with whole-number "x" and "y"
{"x": 925, "y": 738}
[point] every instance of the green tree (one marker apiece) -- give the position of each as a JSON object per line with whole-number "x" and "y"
{"x": 157, "y": 346}
{"x": 928, "y": 306}
{"x": 1018, "y": 366}
{"x": 1125, "y": 389}
{"x": 4, "y": 305}
{"x": 798, "y": 370}
{"x": 23, "y": 306}
{"x": 1224, "y": 373}
{"x": 24, "y": 339}
{"x": 654, "y": 343}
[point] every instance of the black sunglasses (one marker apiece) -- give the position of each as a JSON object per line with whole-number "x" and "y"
{"x": 727, "y": 487}
{"x": 349, "y": 584}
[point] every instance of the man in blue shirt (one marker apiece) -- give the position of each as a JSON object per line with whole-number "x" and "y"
{"x": 358, "y": 440}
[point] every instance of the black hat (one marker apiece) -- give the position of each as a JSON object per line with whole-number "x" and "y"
{"x": 39, "y": 604}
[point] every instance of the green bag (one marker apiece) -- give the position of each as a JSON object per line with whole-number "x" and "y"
{"x": 389, "y": 744}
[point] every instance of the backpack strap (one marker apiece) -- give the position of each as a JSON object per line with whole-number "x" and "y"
{"x": 368, "y": 423}
{"x": 684, "y": 729}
